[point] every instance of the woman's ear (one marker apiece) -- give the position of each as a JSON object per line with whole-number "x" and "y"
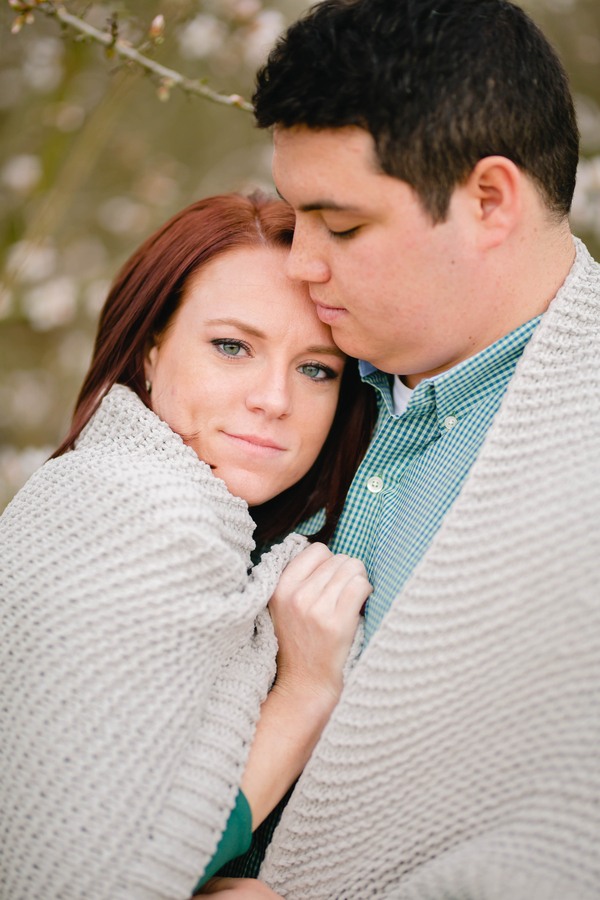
{"x": 150, "y": 361}
{"x": 495, "y": 187}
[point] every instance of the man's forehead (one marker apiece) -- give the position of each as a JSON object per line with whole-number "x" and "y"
{"x": 335, "y": 138}
{"x": 319, "y": 166}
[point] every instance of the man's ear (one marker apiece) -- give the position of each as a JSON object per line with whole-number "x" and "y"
{"x": 495, "y": 190}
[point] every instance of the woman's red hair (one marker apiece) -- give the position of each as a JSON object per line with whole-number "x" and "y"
{"x": 142, "y": 300}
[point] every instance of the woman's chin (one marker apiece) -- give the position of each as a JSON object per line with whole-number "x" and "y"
{"x": 247, "y": 486}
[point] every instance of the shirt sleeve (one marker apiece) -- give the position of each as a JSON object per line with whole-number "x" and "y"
{"x": 234, "y": 841}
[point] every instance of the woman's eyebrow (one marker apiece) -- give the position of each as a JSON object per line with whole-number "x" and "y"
{"x": 238, "y": 323}
{"x": 329, "y": 349}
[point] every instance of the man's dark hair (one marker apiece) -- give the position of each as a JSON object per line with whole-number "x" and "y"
{"x": 439, "y": 84}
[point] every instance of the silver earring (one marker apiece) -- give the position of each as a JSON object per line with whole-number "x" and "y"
{"x": 148, "y": 386}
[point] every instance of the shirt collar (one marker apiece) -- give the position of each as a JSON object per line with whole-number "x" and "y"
{"x": 455, "y": 392}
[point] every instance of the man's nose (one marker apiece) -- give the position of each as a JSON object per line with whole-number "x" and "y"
{"x": 306, "y": 260}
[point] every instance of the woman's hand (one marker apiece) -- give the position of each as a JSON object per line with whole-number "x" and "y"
{"x": 315, "y": 611}
{"x": 240, "y": 889}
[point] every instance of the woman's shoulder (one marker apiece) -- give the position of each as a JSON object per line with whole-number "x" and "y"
{"x": 129, "y": 474}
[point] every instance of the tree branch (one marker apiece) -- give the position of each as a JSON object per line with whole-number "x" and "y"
{"x": 169, "y": 78}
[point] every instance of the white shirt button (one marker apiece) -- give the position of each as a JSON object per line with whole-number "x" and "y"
{"x": 375, "y": 484}
{"x": 450, "y": 422}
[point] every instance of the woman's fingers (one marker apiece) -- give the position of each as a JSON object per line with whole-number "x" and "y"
{"x": 303, "y": 566}
{"x": 344, "y": 581}
{"x": 239, "y": 888}
{"x": 316, "y": 576}
{"x": 315, "y": 612}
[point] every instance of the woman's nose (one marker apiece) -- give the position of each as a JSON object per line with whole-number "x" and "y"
{"x": 270, "y": 394}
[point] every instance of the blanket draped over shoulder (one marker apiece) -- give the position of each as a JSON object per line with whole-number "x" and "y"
{"x": 463, "y": 761}
{"x": 135, "y": 653}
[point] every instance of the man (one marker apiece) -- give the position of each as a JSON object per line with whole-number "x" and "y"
{"x": 429, "y": 149}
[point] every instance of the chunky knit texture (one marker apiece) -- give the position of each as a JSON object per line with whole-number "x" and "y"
{"x": 135, "y": 654}
{"x": 463, "y": 761}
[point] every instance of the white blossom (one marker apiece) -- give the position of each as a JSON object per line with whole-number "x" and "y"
{"x": 29, "y": 262}
{"x": 43, "y": 69}
{"x": 69, "y": 117}
{"x": 123, "y": 216}
{"x": 261, "y": 35}
{"x": 242, "y": 10}
{"x": 21, "y": 173}
{"x": 51, "y": 304}
{"x": 201, "y": 37}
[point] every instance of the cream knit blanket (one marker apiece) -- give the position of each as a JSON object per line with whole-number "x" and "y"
{"x": 463, "y": 761}
{"x": 135, "y": 654}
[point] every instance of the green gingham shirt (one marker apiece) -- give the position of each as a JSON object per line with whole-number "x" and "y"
{"x": 417, "y": 462}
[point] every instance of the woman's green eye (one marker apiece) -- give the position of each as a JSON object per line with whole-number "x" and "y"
{"x": 317, "y": 372}
{"x": 231, "y": 349}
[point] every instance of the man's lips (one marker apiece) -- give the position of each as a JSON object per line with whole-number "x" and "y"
{"x": 329, "y": 314}
{"x": 322, "y": 307}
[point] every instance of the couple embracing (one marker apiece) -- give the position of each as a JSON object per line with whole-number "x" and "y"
{"x": 183, "y": 667}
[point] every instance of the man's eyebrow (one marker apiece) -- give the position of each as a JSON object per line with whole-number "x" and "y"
{"x": 321, "y": 204}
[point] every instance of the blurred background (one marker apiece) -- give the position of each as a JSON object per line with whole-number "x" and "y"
{"x": 95, "y": 154}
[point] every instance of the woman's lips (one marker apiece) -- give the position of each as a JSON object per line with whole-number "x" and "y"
{"x": 255, "y": 443}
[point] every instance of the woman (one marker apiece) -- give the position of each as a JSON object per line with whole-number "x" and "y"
{"x": 137, "y": 651}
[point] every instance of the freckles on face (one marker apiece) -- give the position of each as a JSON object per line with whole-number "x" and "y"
{"x": 247, "y": 373}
